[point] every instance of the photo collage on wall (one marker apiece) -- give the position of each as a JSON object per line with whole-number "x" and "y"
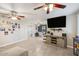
{"x": 9, "y": 27}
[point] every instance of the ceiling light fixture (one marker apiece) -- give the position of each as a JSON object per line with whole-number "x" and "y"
{"x": 45, "y": 8}
{"x": 50, "y": 7}
{"x": 13, "y": 18}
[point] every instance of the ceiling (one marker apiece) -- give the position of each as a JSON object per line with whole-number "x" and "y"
{"x": 27, "y": 8}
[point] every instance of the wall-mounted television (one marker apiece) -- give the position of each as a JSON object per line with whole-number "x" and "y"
{"x": 57, "y": 22}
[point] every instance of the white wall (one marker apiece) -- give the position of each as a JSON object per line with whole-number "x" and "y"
{"x": 32, "y": 21}
{"x": 78, "y": 24}
{"x": 27, "y": 29}
{"x": 71, "y": 28}
{"x": 18, "y": 34}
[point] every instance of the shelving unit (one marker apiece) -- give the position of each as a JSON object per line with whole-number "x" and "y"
{"x": 53, "y": 40}
{"x": 59, "y": 41}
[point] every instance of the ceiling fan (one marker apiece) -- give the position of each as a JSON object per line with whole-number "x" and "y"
{"x": 49, "y": 6}
{"x": 11, "y": 13}
{"x": 14, "y": 15}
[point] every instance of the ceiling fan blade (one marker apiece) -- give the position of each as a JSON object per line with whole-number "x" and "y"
{"x": 38, "y": 7}
{"x": 4, "y": 8}
{"x": 59, "y": 6}
{"x": 18, "y": 18}
{"x": 4, "y": 13}
{"x": 21, "y": 16}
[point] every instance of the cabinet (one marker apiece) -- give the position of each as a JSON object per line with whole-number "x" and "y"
{"x": 59, "y": 41}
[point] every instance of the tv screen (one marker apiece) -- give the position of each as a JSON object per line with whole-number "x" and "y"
{"x": 57, "y": 22}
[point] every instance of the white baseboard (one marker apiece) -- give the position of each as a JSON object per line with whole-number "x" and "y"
{"x": 70, "y": 46}
{"x": 10, "y": 43}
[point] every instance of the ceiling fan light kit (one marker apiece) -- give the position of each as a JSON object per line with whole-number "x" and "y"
{"x": 45, "y": 8}
{"x": 13, "y": 18}
{"x": 50, "y": 6}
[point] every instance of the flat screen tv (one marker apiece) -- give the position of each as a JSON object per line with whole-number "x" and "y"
{"x": 57, "y": 22}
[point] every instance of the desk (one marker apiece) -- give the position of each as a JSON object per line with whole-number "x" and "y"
{"x": 60, "y": 40}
